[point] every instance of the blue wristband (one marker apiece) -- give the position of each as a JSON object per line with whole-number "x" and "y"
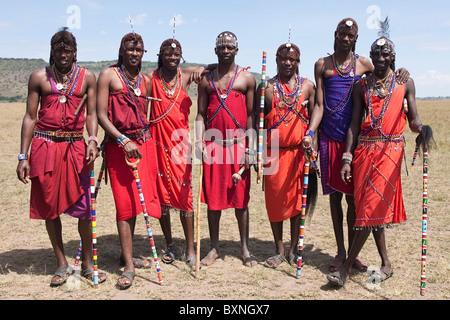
{"x": 22, "y": 156}
{"x": 310, "y": 133}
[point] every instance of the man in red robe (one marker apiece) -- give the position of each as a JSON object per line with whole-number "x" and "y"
{"x": 374, "y": 153}
{"x": 169, "y": 119}
{"x": 122, "y": 112}
{"x": 58, "y": 165}
{"x": 225, "y": 108}
{"x": 286, "y": 121}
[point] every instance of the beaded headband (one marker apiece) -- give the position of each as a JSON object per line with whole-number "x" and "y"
{"x": 226, "y": 39}
{"x": 383, "y": 44}
{"x": 288, "y": 47}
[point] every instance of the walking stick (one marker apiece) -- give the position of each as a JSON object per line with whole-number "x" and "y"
{"x": 81, "y": 104}
{"x": 97, "y": 187}
{"x": 302, "y": 219}
{"x": 261, "y": 119}
{"x": 133, "y": 166}
{"x": 199, "y": 197}
{"x": 94, "y": 223}
{"x": 423, "y": 276}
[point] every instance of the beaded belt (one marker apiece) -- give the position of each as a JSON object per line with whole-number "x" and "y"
{"x": 394, "y": 138}
{"x": 59, "y": 136}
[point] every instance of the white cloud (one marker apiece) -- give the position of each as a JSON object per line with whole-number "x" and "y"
{"x": 432, "y": 83}
{"x": 178, "y": 20}
{"x": 137, "y": 20}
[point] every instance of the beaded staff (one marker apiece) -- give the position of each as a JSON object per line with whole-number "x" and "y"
{"x": 94, "y": 223}
{"x": 423, "y": 277}
{"x": 133, "y": 166}
{"x": 261, "y": 118}
{"x": 199, "y": 198}
{"x": 416, "y": 151}
{"x": 97, "y": 187}
{"x": 302, "y": 219}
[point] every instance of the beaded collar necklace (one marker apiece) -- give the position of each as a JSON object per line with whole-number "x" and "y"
{"x": 168, "y": 88}
{"x": 347, "y": 71}
{"x": 289, "y": 100}
{"x": 67, "y": 85}
{"x": 377, "y": 122}
{"x": 132, "y": 84}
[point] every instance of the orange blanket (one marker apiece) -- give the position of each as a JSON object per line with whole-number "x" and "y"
{"x": 170, "y": 130}
{"x": 377, "y": 165}
{"x": 283, "y": 188}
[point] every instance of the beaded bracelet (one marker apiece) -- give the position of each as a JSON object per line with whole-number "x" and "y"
{"x": 93, "y": 138}
{"x": 22, "y": 156}
{"x": 123, "y": 140}
{"x": 347, "y": 156}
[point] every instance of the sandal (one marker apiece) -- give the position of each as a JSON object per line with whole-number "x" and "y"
{"x": 63, "y": 273}
{"x": 191, "y": 261}
{"x": 384, "y": 274}
{"x": 126, "y": 275}
{"x": 89, "y": 274}
{"x": 274, "y": 261}
{"x": 335, "y": 278}
{"x": 293, "y": 259}
{"x": 169, "y": 256}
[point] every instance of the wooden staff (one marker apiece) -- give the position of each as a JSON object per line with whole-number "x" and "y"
{"x": 81, "y": 103}
{"x": 199, "y": 198}
{"x": 94, "y": 223}
{"x": 133, "y": 166}
{"x": 302, "y": 219}
{"x": 261, "y": 118}
{"x": 423, "y": 277}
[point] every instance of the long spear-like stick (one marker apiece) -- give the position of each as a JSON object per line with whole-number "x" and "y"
{"x": 97, "y": 187}
{"x": 423, "y": 276}
{"x": 133, "y": 166}
{"x": 199, "y": 199}
{"x": 303, "y": 218}
{"x": 94, "y": 223}
{"x": 261, "y": 118}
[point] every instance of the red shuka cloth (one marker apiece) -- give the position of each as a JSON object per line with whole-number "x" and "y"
{"x": 219, "y": 191}
{"x": 56, "y": 167}
{"x": 284, "y": 188}
{"x": 170, "y": 130}
{"x": 123, "y": 114}
{"x": 377, "y": 167}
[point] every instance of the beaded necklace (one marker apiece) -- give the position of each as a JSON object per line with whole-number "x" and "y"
{"x": 124, "y": 78}
{"x": 133, "y": 84}
{"x": 380, "y": 84}
{"x": 169, "y": 89}
{"x": 68, "y": 85}
{"x": 347, "y": 71}
{"x": 223, "y": 97}
{"x": 229, "y": 86}
{"x": 166, "y": 112}
{"x": 341, "y": 105}
{"x": 280, "y": 94}
{"x": 376, "y": 122}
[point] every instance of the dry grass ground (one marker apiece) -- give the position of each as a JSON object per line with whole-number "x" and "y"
{"x": 27, "y": 261}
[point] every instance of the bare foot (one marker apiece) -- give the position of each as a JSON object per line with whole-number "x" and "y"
{"x": 210, "y": 258}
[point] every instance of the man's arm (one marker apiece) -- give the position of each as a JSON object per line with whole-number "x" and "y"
{"x": 199, "y": 126}
{"x": 91, "y": 116}
{"x": 354, "y": 129}
{"x": 413, "y": 115}
{"x": 29, "y": 122}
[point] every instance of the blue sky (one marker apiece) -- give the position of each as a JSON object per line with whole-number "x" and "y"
{"x": 419, "y": 29}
